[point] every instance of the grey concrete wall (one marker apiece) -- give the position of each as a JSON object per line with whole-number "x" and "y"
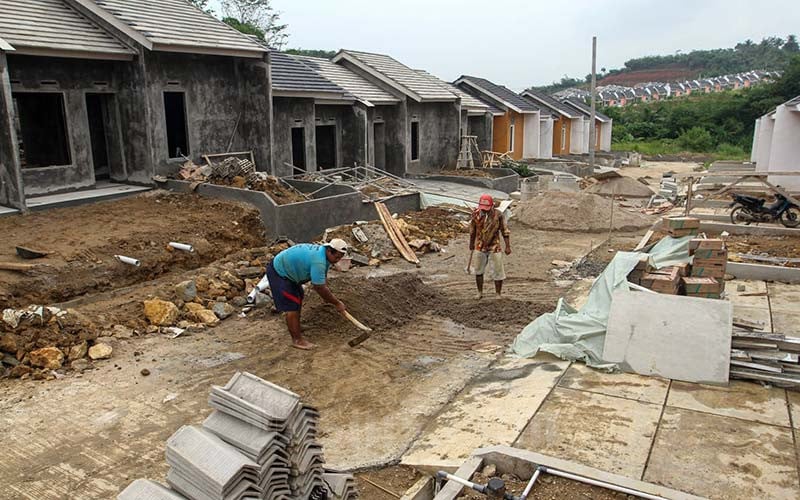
{"x": 289, "y": 112}
{"x": 351, "y": 126}
{"x": 73, "y": 79}
{"x": 216, "y": 97}
{"x": 505, "y": 180}
{"x": 398, "y": 145}
{"x": 11, "y": 192}
{"x": 439, "y": 124}
{"x": 481, "y": 127}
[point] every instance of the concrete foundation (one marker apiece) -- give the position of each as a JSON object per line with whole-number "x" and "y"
{"x": 504, "y": 179}
{"x": 746, "y": 271}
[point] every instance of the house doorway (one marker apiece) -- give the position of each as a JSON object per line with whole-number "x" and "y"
{"x": 379, "y": 130}
{"x": 41, "y": 129}
{"x": 326, "y": 146}
{"x": 97, "y": 109}
{"x": 177, "y": 127}
{"x": 299, "y": 148}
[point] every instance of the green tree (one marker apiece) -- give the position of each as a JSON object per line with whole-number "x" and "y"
{"x": 202, "y": 4}
{"x": 324, "y": 54}
{"x": 791, "y": 45}
{"x": 258, "y": 18}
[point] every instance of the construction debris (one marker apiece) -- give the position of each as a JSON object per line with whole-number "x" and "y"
{"x": 259, "y": 442}
{"x": 373, "y": 183}
{"x": 765, "y": 357}
{"x": 395, "y": 234}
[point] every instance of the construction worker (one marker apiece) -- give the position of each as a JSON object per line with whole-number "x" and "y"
{"x": 485, "y": 230}
{"x": 297, "y": 265}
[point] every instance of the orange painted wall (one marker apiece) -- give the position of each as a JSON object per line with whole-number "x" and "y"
{"x": 558, "y": 148}
{"x": 500, "y": 133}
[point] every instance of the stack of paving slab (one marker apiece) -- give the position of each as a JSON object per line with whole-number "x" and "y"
{"x": 763, "y": 356}
{"x": 259, "y": 442}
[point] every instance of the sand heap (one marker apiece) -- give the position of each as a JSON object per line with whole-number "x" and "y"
{"x": 626, "y": 187}
{"x": 573, "y": 212}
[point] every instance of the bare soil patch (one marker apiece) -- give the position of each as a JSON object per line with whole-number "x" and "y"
{"x": 547, "y": 488}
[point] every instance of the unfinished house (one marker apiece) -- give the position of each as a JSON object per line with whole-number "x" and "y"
{"x": 775, "y": 144}
{"x": 517, "y": 130}
{"x": 377, "y": 110}
{"x": 431, "y": 116}
{"x": 602, "y": 126}
{"x": 99, "y": 91}
{"x": 315, "y": 123}
{"x": 477, "y": 117}
{"x": 568, "y": 126}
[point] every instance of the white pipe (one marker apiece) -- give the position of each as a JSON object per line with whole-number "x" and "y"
{"x": 601, "y": 484}
{"x": 182, "y": 246}
{"x": 529, "y": 487}
{"x": 128, "y": 260}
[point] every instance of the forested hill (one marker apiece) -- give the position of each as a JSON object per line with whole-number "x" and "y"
{"x": 772, "y": 53}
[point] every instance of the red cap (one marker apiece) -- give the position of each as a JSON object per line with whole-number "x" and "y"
{"x": 486, "y": 202}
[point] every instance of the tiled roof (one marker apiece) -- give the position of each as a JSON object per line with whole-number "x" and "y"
{"x": 793, "y": 102}
{"x": 291, "y": 75}
{"x": 505, "y": 96}
{"x": 351, "y": 82}
{"x": 178, "y": 26}
{"x": 550, "y": 103}
{"x": 418, "y": 86}
{"x": 51, "y": 26}
{"x": 467, "y": 101}
{"x": 586, "y": 110}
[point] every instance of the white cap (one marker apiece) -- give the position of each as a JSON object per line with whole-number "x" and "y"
{"x": 337, "y": 244}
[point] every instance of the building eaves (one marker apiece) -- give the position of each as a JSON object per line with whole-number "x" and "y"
{"x": 419, "y": 87}
{"x": 54, "y": 28}
{"x": 351, "y": 82}
{"x": 503, "y": 95}
{"x": 173, "y": 26}
{"x": 468, "y": 102}
{"x": 550, "y": 103}
{"x": 291, "y": 78}
{"x": 586, "y": 110}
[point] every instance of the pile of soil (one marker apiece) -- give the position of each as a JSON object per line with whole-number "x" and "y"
{"x": 625, "y": 187}
{"x": 272, "y": 186}
{"x": 577, "y": 212}
{"x": 83, "y": 240}
{"x": 393, "y": 301}
{"x": 768, "y": 246}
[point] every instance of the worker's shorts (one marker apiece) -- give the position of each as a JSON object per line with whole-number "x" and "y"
{"x": 287, "y": 295}
{"x": 498, "y": 269}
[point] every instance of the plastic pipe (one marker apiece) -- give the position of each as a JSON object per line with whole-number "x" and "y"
{"x": 182, "y": 246}
{"x": 601, "y": 484}
{"x": 469, "y": 484}
{"x": 529, "y": 486}
{"x": 128, "y": 260}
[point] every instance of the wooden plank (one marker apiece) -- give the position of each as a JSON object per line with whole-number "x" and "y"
{"x": 395, "y": 234}
{"x": 13, "y": 266}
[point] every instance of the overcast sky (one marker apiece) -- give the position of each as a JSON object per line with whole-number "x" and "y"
{"x": 520, "y": 43}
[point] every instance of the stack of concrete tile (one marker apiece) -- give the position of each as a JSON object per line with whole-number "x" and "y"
{"x": 144, "y": 489}
{"x": 341, "y": 486}
{"x": 203, "y": 467}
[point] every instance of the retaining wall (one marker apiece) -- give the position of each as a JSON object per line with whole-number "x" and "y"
{"x": 505, "y": 180}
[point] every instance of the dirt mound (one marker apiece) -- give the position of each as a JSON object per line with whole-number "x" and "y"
{"x": 573, "y": 212}
{"x": 626, "y": 187}
{"x": 394, "y": 301}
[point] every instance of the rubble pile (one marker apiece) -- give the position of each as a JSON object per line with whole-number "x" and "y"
{"x": 40, "y": 342}
{"x": 259, "y": 442}
{"x": 241, "y": 173}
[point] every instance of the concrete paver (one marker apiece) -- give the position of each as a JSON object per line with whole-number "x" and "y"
{"x": 794, "y": 407}
{"x": 753, "y": 314}
{"x": 723, "y": 457}
{"x": 745, "y": 297}
{"x": 787, "y": 323}
{"x": 493, "y": 410}
{"x": 623, "y": 385}
{"x": 609, "y": 433}
{"x": 784, "y": 297}
{"x": 743, "y": 400}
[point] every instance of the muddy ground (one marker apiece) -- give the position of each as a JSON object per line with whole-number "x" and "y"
{"x": 88, "y": 433}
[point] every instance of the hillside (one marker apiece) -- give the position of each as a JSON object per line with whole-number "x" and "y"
{"x": 666, "y": 74}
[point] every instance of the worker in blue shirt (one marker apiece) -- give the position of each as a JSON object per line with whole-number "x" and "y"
{"x": 297, "y": 265}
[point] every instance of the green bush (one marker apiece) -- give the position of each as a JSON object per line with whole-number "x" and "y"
{"x": 696, "y": 139}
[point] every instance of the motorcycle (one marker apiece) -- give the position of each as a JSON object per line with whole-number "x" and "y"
{"x": 748, "y": 209}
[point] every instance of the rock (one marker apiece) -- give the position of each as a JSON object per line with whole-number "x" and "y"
{"x": 106, "y": 340}
{"x": 78, "y": 351}
{"x": 202, "y": 246}
{"x": 490, "y": 471}
{"x": 201, "y": 283}
{"x": 359, "y": 259}
{"x": 19, "y": 371}
{"x": 80, "y": 365}
{"x": 151, "y": 329}
{"x": 145, "y": 372}
{"x": 205, "y": 317}
{"x": 122, "y": 332}
{"x": 160, "y": 312}
{"x": 186, "y": 290}
{"x": 561, "y": 263}
{"x": 100, "y": 351}
{"x": 239, "y": 182}
{"x": 50, "y": 358}
{"x": 344, "y": 264}
{"x": 9, "y": 343}
{"x": 239, "y": 301}
{"x": 229, "y": 278}
{"x": 192, "y": 307}
{"x": 185, "y": 324}
{"x": 741, "y": 288}
{"x": 223, "y": 310}
{"x": 250, "y": 272}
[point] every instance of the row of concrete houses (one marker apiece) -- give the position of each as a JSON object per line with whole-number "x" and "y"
{"x": 776, "y": 147}
{"x": 100, "y": 91}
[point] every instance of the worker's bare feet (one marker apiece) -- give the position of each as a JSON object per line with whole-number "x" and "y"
{"x": 303, "y": 344}
{"x": 479, "y": 296}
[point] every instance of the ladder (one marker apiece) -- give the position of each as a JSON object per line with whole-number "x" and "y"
{"x": 468, "y": 143}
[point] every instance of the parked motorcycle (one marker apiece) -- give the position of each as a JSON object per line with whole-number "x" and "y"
{"x": 748, "y": 209}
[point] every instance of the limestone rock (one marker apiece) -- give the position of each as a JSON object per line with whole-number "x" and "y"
{"x": 186, "y": 290}
{"x": 201, "y": 283}
{"x": 205, "y": 317}
{"x": 100, "y": 351}
{"x": 192, "y": 307}
{"x": 50, "y": 358}
{"x": 239, "y": 301}
{"x": 223, "y": 310}
{"x": 80, "y": 365}
{"x": 122, "y": 332}
{"x": 161, "y": 312}
{"x": 20, "y": 370}
{"x": 9, "y": 343}
{"x": 78, "y": 351}
{"x": 229, "y": 278}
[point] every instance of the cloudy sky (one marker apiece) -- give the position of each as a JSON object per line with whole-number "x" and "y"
{"x": 530, "y": 42}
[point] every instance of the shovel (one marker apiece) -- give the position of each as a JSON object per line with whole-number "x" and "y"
{"x": 468, "y": 269}
{"x": 361, "y": 326}
{"x": 30, "y": 253}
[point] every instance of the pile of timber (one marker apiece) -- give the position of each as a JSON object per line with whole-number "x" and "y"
{"x": 395, "y": 234}
{"x": 766, "y": 357}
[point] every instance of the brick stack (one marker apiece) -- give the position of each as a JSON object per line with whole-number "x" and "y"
{"x": 678, "y": 227}
{"x": 709, "y": 263}
{"x": 665, "y": 280}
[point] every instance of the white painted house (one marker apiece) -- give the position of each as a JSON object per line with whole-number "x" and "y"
{"x": 776, "y": 144}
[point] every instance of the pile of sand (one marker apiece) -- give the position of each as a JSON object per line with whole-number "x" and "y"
{"x": 574, "y": 212}
{"x": 621, "y": 186}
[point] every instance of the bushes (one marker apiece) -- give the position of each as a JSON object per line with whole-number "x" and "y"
{"x": 696, "y": 139}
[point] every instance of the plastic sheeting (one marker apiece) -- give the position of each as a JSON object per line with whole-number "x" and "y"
{"x": 432, "y": 200}
{"x": 579, "y": 334}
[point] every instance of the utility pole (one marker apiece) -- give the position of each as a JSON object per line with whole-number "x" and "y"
{"x": 592, "y": 125}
